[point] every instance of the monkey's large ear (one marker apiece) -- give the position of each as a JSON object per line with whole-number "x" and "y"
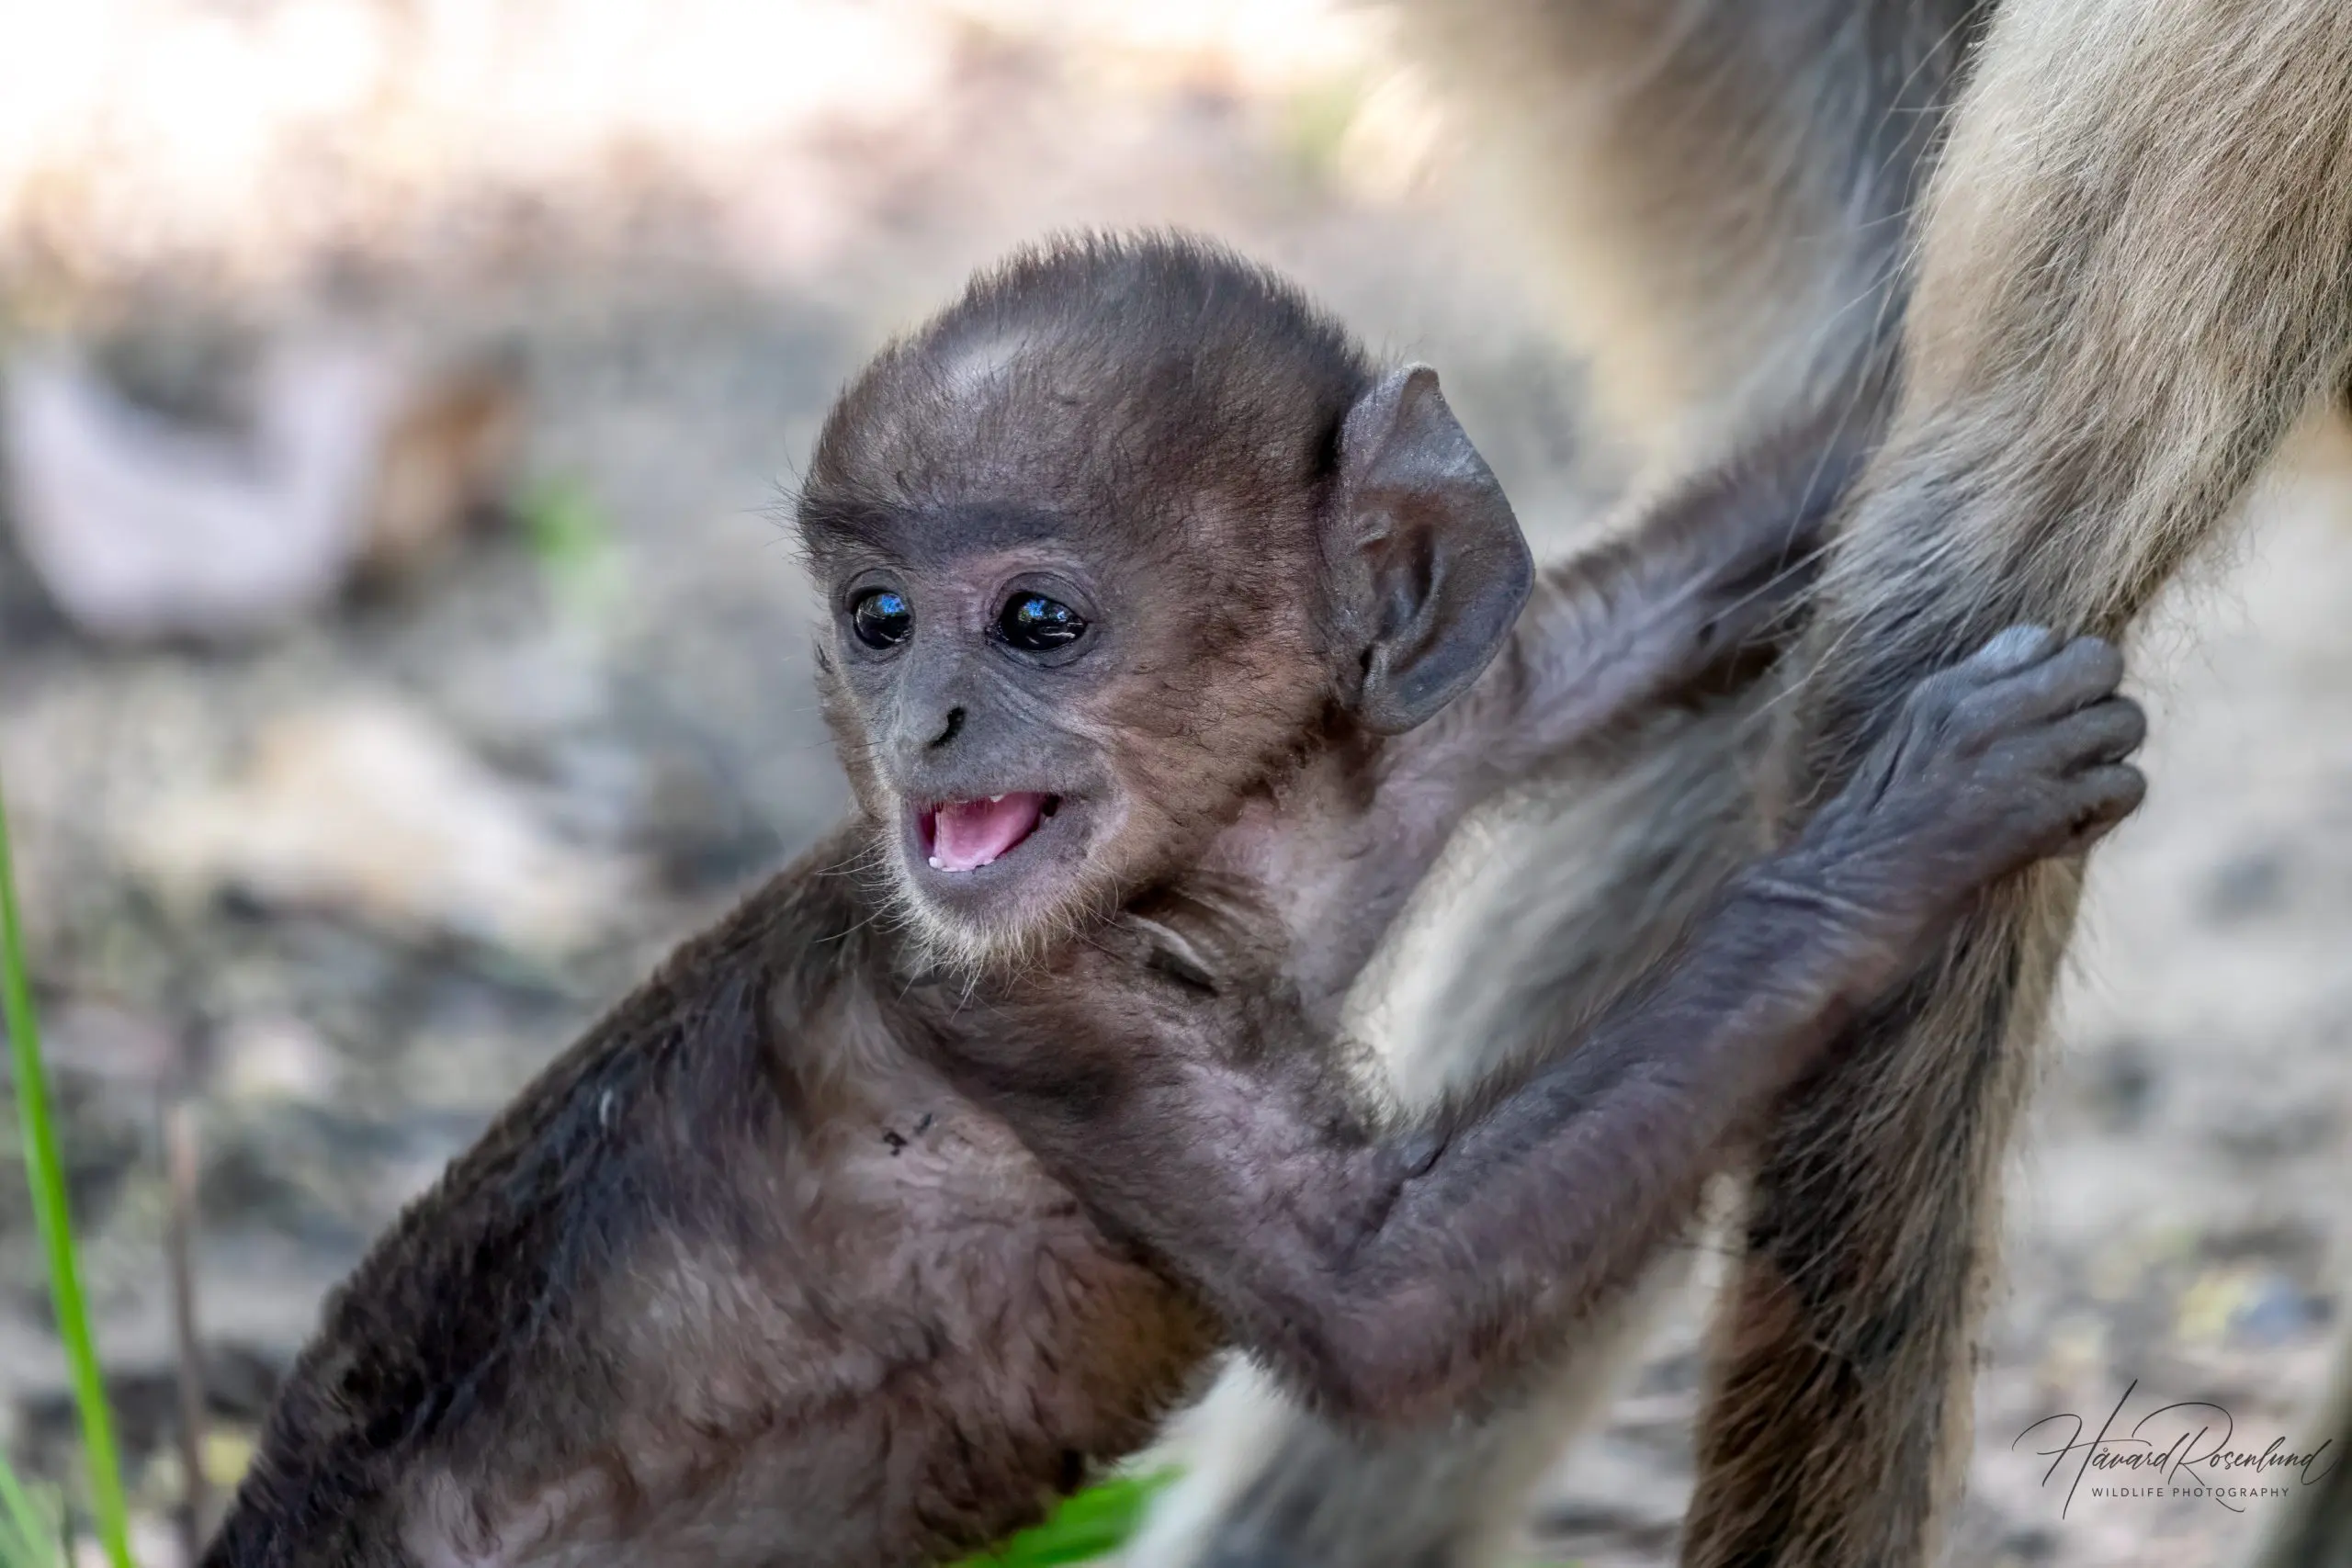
{"x": 1428, "y": 563}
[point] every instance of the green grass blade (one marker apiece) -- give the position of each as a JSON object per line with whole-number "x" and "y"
{"x": 47, "y": 1174}
{"x": 1089, "y": 1524}
{"x": 27, "y": 1532}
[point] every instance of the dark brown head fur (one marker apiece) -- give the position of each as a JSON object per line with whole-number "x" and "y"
{"x": 1154, "y": 433}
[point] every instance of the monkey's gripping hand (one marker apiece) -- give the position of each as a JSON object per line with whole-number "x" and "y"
{"x": 2012, "y": 756}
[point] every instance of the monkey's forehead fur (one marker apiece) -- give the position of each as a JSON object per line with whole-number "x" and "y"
{"x": 1097, "y": 383}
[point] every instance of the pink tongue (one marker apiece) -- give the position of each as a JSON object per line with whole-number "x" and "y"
{"x": 969, "y": 834}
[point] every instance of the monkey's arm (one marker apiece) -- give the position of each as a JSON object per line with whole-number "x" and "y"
{"x": 1707, "y": 580}
{"x": 1393, "y": 1280}
{"x": 1396, "y": 1278}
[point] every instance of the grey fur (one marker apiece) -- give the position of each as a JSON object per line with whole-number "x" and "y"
{"x": 2133, "y": 272}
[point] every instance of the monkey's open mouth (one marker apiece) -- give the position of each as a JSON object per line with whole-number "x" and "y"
{"x": 965, "y": 835}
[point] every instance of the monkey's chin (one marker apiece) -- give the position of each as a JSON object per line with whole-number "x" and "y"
{"x": 987, "y": 892}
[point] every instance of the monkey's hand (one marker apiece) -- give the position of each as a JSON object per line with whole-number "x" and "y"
{"x": 2012, "y": 756}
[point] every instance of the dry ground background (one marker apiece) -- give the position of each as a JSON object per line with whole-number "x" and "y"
{"x": 523, "y": 777}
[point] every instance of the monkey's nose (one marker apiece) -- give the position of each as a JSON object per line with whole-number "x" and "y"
{"x": 948, "y": 730}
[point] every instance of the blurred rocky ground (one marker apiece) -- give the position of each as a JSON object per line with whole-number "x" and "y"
{"x": 347, "y": 871}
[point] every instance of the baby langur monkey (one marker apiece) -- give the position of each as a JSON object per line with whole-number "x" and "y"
{"x": 1169, "y": 638}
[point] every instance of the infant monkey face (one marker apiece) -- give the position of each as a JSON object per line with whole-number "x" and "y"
{"x": 974, "y": 685}
{"x": 1110, "y": 546}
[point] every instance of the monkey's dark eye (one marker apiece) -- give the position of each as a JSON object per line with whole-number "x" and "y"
{"x": 1035, "y": 623}
{"x": 881, "y": 618}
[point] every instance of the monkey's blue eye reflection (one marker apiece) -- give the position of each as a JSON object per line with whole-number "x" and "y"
{"x": 881, "y": 618}
{"x": 1038, "y": 624}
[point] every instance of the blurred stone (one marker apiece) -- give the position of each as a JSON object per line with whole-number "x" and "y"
{"x": 701, "y": 831}
{"x": 375, "y": 811}
{"x": 275, "y": 1057}
{"x": 2245, "y": 1305}
{"x": 114, "y": 1045}
{"x": 2261, "y": 1128}
{"x": 2275, "y": 1311}
{"x": 2246, "y": 885}
{"x": 154, "y": 1543}
{"x": 448, "y": 455}
{"x": 28, "y": 616}
{"x": 2119, "y": 1081}
{"x": 2028, "y": 1545}
{"x": 174, "y": 483}
{"x": 2075, "y": 1354}
{"x": 26, "y": 1353}
{"x": 145, "y": 522}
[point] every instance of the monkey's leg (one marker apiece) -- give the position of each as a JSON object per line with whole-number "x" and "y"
{"x": 2316, "y": 1531}
{"x": 2135, "y": 271}
{"x": 1712, "y": 192}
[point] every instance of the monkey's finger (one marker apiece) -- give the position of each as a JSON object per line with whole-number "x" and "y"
{"x": 1958, "y": 700}
{"x": 2017, "y": 648}
{"x": 2104, "y": 732}
{"x": 2107, "y": 731}
{"x": 2102, "y": 797}
{"x": 2073, "y": 676}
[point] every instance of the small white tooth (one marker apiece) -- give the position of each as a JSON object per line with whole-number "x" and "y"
{"x": 935, "y": 866}
{"x": 995, "y": 799}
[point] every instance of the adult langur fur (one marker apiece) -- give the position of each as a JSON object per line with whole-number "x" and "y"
{"x": 2089, "y": 259}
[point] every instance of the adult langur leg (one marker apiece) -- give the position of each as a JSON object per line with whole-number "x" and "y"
{"x": 2134, "y": 273}
{"x": 1714, "y": 195}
